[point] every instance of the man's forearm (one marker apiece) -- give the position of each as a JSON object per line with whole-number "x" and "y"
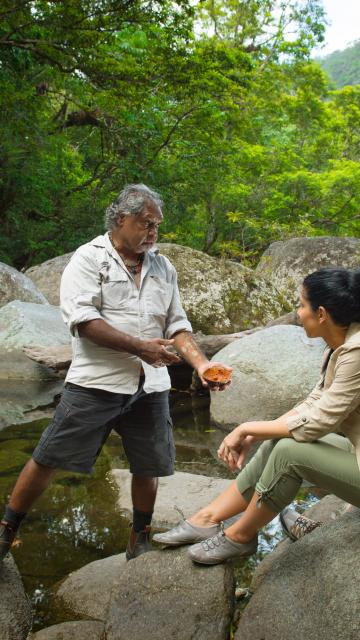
{"x": 104, "y": 335}
{"x": 186, "y": 346}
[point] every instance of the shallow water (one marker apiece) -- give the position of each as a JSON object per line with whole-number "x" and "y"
{"x": 76, "y": 521}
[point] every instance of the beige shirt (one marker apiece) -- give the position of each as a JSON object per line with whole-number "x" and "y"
{"x": 335, "y": 407}
{"x": 96, "y": 285}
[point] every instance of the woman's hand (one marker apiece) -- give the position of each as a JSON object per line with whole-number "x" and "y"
{"x": 234, "y": 448}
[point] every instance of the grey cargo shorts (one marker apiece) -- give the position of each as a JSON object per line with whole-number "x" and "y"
{"x": 84, "y": 419}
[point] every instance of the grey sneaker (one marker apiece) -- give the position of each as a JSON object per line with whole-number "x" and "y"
{"x": 185, "y": 533}
{"x": 296, "y": 526}
{"x": 142, "y": 545}
{"x": 219, "y": 548}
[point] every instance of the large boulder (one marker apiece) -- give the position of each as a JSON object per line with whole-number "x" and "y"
{"x": 80, "y": 630}
{"x": 326, "y": 510}
{"x": 273, "y": 370}
{"x": 182, "y": 493}
{"x": 27, "y": 323}
{"x": 164, "y": 595}
{"x": 85, "y": 593}
{"x": 149, "y": 595}
{"x": 222, "y": 296}
{"x": 219, "y": 296}
{"x": 14, "y": 285}
{"x": 311, "y": 591}
{"x": 47, "y": 275}
{"x": 285, "y": 264}
{"x": 15, "y": 609}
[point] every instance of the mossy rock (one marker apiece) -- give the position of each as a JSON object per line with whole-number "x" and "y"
{"x": 222, "y": 296}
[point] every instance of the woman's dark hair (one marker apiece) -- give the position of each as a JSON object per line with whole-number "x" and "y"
{"x": 337, "y": 290}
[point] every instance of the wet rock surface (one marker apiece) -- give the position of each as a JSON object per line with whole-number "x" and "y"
{"x": 14, "y": 285}
{"x": 19, "y": 400}
{"x": 15, "y": 609}
{"x": 273, "y": 370}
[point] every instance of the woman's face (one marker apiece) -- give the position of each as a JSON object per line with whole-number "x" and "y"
{"x": 309, "y": 319}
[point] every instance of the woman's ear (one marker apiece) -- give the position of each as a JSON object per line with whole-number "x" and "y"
{"x": 322, "y": 315}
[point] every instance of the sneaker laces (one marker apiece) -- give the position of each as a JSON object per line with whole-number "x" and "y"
{"x": 215, "y": 541}
{"x": 302, "y": 526}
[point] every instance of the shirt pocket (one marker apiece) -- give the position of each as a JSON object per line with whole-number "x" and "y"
{"x": 158, "y": 296}
{"x": 115, "y": 291}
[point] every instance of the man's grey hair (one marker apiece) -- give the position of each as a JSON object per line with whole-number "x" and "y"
{"x": 131, "y": 201}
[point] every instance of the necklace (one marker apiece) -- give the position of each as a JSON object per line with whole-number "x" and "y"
{"x": 134, "y": 269}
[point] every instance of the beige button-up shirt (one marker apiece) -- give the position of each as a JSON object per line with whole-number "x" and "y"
{"x": 334, "y": 404}
{"x": 96, "y": 285}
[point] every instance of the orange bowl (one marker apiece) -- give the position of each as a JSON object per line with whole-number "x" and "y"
{"x": 217, "y": 375}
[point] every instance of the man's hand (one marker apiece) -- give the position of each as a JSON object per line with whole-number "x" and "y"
{"x": 154, "y": 352}
{"x": 218, "y": 386}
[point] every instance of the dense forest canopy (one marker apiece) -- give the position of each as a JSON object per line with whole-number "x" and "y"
{"x": 216, "y": 104}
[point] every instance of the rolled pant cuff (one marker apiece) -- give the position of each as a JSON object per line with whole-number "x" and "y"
{"x": 266, "y": 496}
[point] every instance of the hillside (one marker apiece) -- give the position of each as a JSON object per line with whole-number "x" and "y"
{"x": 343, "y": 66}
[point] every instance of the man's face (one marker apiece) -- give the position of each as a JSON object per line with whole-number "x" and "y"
{"x": 138, "y": 233}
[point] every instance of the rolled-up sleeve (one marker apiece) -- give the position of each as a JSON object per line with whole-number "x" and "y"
{"x": 326, "y": 414}
{"x": 80, "y": 291}
{"x": 176, "y": 318}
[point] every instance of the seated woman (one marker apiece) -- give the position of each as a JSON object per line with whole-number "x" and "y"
{"x": 303, "y": 444}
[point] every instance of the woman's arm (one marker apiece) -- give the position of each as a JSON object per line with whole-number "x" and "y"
{"x": 234, "y": 448}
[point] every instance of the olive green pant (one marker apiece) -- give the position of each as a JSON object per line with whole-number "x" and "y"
{"x": 279, "y": 466}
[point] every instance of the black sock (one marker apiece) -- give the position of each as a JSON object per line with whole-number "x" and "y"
{"x": 13, "y": 518}
{"x": 141, "y": 519}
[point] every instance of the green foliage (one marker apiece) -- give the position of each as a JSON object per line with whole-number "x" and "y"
{"x": 343, "y": 67}
{"x": 215, "y": 106}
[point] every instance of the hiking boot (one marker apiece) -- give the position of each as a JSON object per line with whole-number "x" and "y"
{"x": 7, "y": 537}
{"x": 142, "y": 544}
{"x": 296, "y": 526}
{"x": 219, "y": 548}
{"x": 185, "y": 533}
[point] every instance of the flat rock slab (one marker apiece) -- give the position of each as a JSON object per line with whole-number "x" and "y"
{"x": 186, "y": 491}
{"x": 15, "y": 609}
{"x": 82, "y": 630}
{"x": 312, "y": 590}
{"x": 86, "y": 593}
{"x": 164, "y": 596}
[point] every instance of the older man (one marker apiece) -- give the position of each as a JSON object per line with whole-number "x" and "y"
{"x": 120, "y": 300}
